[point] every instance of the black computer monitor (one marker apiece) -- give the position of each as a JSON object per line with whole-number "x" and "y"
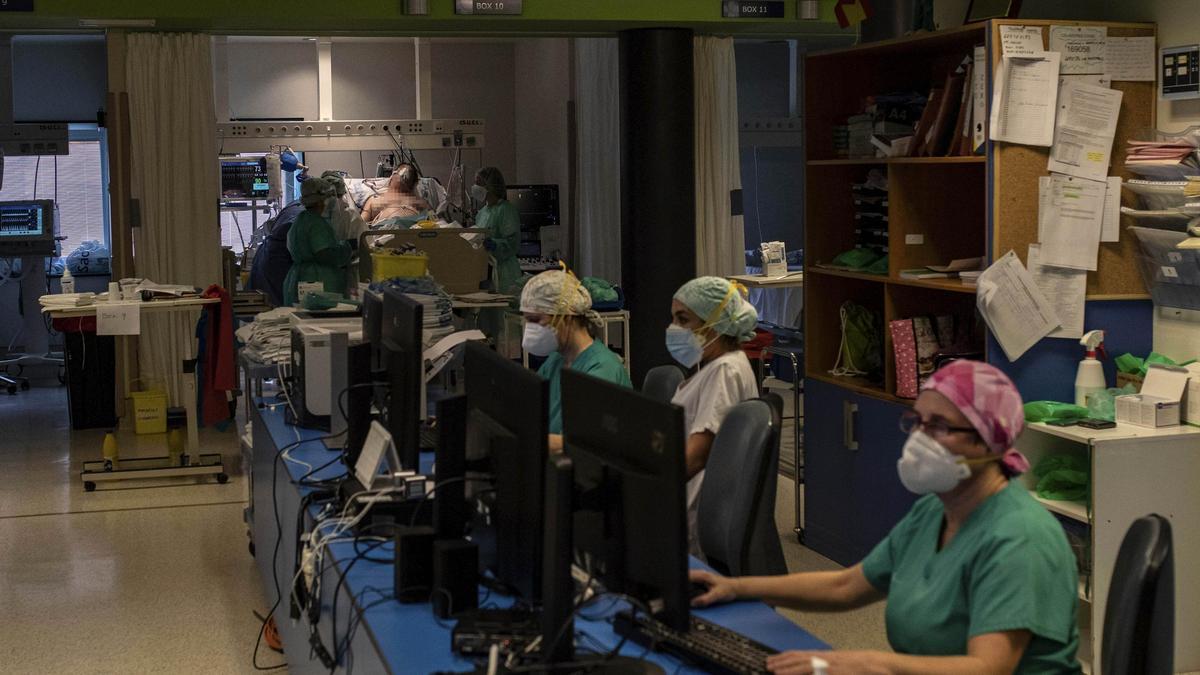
{"x": 372, "y": 313}
{"x": 27, "y": 228}
{"x": 402, "y": 348}
{"x": 537, "y": 206}
{"x": 630, "y": 508}
{"x": 508, "y": 421}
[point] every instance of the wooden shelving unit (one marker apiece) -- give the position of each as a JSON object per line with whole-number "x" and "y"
{"x": 898, "y": 160}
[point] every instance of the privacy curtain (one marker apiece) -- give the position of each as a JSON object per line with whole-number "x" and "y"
{"x": 175, "y": 184}
{"x": 720, "y": 240}
{"x": 598, "y": 158}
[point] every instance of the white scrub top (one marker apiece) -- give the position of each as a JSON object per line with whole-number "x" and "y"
{"x": 706, "y": 398}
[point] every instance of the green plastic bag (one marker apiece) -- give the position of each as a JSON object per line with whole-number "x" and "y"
{"x": 1063, "y": 477}
{"x": 599, "y": 289}
{"x": 861, "y": 351}
{"x": 1128, "y": 363}
{"x": 1102, "y": 405}
{"x": 856, "y": 259}
{"x": 878, "y": 267}
{"x": 1044, "y": 411}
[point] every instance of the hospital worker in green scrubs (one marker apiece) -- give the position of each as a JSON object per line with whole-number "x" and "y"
{"x": 978, "y": 577}
{"x": 317, "y": 254}
{"x": 558, "y": 323}
{"x": 503, "y": 224}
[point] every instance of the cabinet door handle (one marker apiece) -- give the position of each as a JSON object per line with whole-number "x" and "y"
{"x": 849, "y": 410}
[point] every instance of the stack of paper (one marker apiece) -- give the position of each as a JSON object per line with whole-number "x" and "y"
{"x": 955, "y": 268}
{"x": 1151, "y": 152}
{"x": 268, "y": 339}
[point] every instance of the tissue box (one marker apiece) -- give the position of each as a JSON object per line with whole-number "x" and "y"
{"x": 1191, "y": 400}
{"x": 1160, "y": 403}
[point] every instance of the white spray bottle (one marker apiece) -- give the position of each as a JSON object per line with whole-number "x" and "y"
{"x": 1089, "y": 379}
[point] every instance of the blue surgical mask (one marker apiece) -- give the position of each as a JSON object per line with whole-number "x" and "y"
{"x": 685, "y": 346}
{"x": 479, "y": 193}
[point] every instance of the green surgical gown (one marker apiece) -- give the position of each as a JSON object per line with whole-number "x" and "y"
{"x": 1009, "y": 567}
{"x": 317, "y": 255}
{"x": 503, "y": 224}
{"x": 597, "y": 361}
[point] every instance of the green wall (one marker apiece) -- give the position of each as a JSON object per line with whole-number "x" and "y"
{"x": 385, "y": 16}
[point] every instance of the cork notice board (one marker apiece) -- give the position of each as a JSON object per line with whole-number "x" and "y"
{"x": 1016, "y": 169}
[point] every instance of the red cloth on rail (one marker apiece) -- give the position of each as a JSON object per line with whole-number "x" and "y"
{"x": 220, "y": 377}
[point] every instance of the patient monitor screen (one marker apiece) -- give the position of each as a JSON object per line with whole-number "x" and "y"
{"x": 21, "y": 220}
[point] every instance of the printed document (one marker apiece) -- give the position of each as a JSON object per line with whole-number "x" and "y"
{"x": 1025, "y": 99}
{"x": 1066, "y": 289}
{"x": 1083, "y": 137}
{"x": 1021, "y": 40}
{"x": 1110, "y": 228}
{"x": 1012, "y": 305}
{"x": 1084, "y": 49}
{"x": 1071, "y": 225}
{"x": 1131, "y": 59}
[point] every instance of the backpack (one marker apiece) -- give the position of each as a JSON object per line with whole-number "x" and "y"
{"x": 861, "y": 351}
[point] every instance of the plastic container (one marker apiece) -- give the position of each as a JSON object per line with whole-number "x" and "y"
{"x": 385, "y": 266}
{"x": 149, "y": 412}
{"x": 68, "y": 282}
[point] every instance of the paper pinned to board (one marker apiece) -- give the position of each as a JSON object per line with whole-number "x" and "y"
{"x": 1131, "y": 59}
{"x": 1012, "y": 305}
{"x": 1084, "y": 49}
{"x": 1025, "y": 100}
{"x": 1066, "y": 289}
{"x": 1110, "y": 227}
{"x": 1043, "y": 204}
{"x": 1071, "y": 225}
{"x": 1094, "y": 80}
{"x": 1083, "y": 135}
{"x": 118, "y": 318}
{"x": 1021, "y": 40}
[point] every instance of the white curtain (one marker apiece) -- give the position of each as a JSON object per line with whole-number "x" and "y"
{"x": 175, "y": 182}
{"x": 598, "y": 158}
{"x": 720, "y": 240}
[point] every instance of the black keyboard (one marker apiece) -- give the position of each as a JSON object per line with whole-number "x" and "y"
{"x": 713, "y": 648}
{"x": 429, "y": 438}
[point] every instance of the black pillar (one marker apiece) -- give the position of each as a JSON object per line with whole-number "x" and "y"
{"x": 658, "y": 216}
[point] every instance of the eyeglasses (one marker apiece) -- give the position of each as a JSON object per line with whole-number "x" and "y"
{"x": 911, "y": 419}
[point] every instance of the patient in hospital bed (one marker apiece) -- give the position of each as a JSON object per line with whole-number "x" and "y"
{"x": 400, "y": 199}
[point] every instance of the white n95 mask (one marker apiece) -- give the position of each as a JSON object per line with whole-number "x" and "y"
{"x": 926, "y": 466}
{"x": 539, "y": 340}
{"x": 684, "y": 345}
{"x": 479, "y": 193}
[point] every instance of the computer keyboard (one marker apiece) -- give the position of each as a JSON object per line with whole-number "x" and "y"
{"x": 713, "y": 648}
{"x": 537, "y": 264}
{"x": 429, "y": 438}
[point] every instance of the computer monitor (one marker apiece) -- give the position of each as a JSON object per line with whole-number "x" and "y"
{"x": 508, "y": 421}
{"x": 372, "y": 313}
{"x": 27, "y": 228}
{"x": 403, "y": 369}
{"x": 630, "y": 510}
{"x": 537, "y": 206}
{"x": 244, "y": 178}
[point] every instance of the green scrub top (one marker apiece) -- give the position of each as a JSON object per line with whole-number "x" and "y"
{"x": 503, "y": 223}
{"x": 597, "y": 361}
{"x": 1008, "y": 568}
{"x": 317, "y": 255}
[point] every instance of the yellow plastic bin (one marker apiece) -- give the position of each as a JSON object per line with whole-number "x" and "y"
{"x": 149, "y": 412}
{"x": 386, "y": 266}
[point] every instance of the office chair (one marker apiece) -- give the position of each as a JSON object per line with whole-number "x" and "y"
{"x": 662, "y": 381}
{"x": 1139, "y": 619}
{"x": 737, "y": 500}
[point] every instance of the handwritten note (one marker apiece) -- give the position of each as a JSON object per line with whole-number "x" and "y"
{"x": 1021, "y": 40}
{"x": 118, "y": 318}
{"x": 1131, "y": 59}
{"x": 1025, "y": 99}
{"x": 1084, "y": 49}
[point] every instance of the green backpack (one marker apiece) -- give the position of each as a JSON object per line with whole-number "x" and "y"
{"x": 861, "y": 352}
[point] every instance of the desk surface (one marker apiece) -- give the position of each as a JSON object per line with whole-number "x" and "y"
{"x": 792, "y": 280}
{"x": 180, "y": 305}
{"x": 408, "y": 638}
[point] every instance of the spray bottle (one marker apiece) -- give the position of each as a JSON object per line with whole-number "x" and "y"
{"x": 1089, "y": 379}
{"x": 68, "y": 282}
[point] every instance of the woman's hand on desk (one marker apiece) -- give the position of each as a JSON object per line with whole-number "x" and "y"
{"x": 801, "y": 663}
{"x": 720, "y": 589}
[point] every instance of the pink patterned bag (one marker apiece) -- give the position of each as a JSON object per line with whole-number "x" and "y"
{"x": 904, "y": 344}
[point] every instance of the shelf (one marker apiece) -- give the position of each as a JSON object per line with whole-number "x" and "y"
{"x": 1121, "y": 432}
{"x": 1072, "y": 510}
{"x": 949, "y": 285}
{"x": 860, "y": 385}
{"x": 868, "y": 161}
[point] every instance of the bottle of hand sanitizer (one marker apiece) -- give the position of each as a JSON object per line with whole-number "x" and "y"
{"x": 67, "y": 283}
{"x": 1089, "y": 379}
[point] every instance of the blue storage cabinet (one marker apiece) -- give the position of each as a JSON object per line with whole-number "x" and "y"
{"x": 852, "y": 494}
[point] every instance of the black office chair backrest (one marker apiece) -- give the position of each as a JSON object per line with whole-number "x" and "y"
{"x": 1139, "y": 617}
{"x": 737, "y": 506}
{"x": 662, "y": 381}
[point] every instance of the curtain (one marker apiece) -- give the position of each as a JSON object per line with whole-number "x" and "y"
{"x": 720, "y": 239}
{"x": 598, "y": 158}
{"x": 175, "y": 183}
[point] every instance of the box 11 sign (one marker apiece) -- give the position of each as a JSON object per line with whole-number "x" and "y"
{"x": 487, "y": 6}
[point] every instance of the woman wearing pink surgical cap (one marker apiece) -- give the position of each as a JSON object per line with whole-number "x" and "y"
{"x": 978, "y": 577}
